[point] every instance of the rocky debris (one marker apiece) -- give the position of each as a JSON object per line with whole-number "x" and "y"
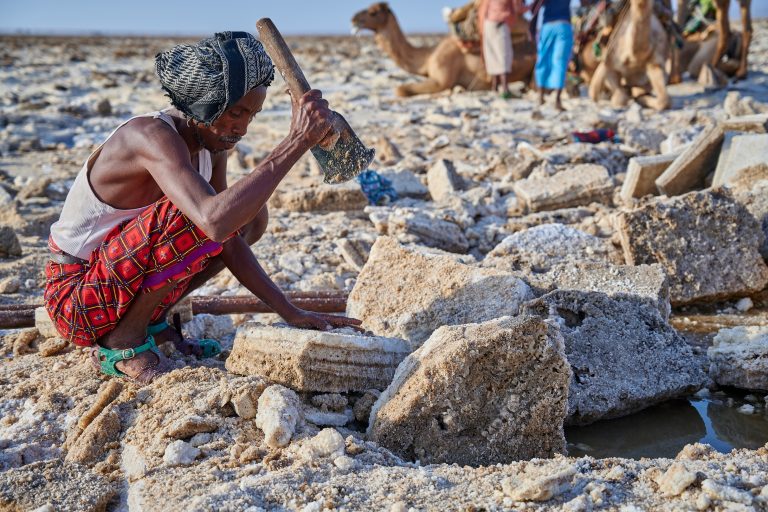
{"x": 443, "y": 180}
{"x": 185, "y": 428}
{"x": 9, "y": 243}
{"x": 745, "y": 153}
{"x": 642, "y": 173}
{"x": 180, "y": 453}
{"x": 404, "y": 293}
{"x": 354, "y": 251}
{"x": 623, "y": 354}
{"x": 203, "y": 326}
{"x": 279, "y": 415}
{"x": 689, "y": 169}
{"x": 320, "y": 198}
{"x": 387, "y": 152}
{"x": 739, "y": 357}
{"x": 10, "y": 285}
{"x": 364, "y": 404}
{"x": 577, "y": 186}
{"x": 753, "y": 194}
{"x": 643, "y": 281}
{"x": 52, "y": 346}
{"x": 540, "y": 248}
{"x": 676, "y": 480}
{"x": 55, "y": 485}
{"x": 644, "y": 139}
{"x": 308, "y": 360}
{"x": 755, "y": 123}
{"x": 690, "y": 236}
{"x": 96, "y": 439}
{"x": 480, "y": 393}
{"x": 566, "y": 216}
{"x": 406, "y": 183}
{"x": 412, "y": 225}
{"x": 532, "y": 485}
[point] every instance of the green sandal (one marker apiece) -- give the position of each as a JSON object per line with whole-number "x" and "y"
{"x": 208, "y": 347}
{"x": 108, "y": 358}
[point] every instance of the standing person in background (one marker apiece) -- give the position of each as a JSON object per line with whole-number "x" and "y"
{"x": 554, "y": 48}
{"x": 495, "y": 17}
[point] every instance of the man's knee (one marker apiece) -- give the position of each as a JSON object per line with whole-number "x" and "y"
{"x": 254, "y": 230}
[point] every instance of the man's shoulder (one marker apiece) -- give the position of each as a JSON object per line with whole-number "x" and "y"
{"x": 146, "y": 131}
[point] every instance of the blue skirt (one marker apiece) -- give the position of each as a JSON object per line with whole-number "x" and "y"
{"x": 553, "y": 54}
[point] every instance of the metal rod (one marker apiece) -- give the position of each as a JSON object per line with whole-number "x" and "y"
{"x": 23, "y": 315}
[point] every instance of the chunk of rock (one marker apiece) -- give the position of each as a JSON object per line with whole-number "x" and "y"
{"x": 44, "y": 324}
{"x": 322, "y": 198}
{"x": 52, "y": 346}
{"x": 745, "y": 153}
{"x": 695, "y": 162}
{"x": 330, "y": 402}
{"x": 755, "y": 123}
{"x": 642, "y": 281}
{"x": 203, "y": 326}
{"x": 624, "y": 355}
{"x": 90, "y": 446}
{"x": 23, "y": 340}
{"x": 406, "y": 183}
{"x": 407, "y": 294}
{"x": 328, "y": 442}
{"x": 642, "y": 172}
{"x": 186, "y": 427}
{"x": 476, "y": 394}
{"x": 326, "y": 418}
{"x": 443, "y": 180}
{"x": 245, "y": 393}
{"x": 534, "y": 486}
{"x": 9, "y": 243}
{"x": 279, "y": 415}
{"x": 542, "y": 247}
{"x": 309, "y": 360}
{"x": 10, "y": 284}
{"x": 676, "y": 479}
{"x": 739, "y": 357}
{"x": 754, "y": 196}
{"x": 364, "y": 404}
{"x": 354, "y": 251}
{"x": 707, "y": 243}
{"x": 581, "y": 185}
{"x": 417, "y": 226}
{"x": 180, "y": 453}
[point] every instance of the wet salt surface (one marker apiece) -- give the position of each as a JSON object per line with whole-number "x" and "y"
{"x": 663, "y": 430}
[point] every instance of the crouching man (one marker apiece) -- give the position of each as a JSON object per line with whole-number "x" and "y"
{"x": 150, "y": 216}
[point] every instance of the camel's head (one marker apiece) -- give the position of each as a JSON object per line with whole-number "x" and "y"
{"x": 373, "y": 18}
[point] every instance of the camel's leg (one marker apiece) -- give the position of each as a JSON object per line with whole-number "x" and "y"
{"x": 746, "y": 37}
{"x": 723, "y": 31}
{"x": 658, "y": 79}
{"x": 596, "y": 82}
{"x": 619, "y": 95}
{"x": 426, "y": 87}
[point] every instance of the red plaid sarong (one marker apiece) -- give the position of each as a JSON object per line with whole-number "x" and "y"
{"x": 160, "y": 246}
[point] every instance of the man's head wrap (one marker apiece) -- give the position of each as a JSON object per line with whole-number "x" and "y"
{"x": 206, "y": 78}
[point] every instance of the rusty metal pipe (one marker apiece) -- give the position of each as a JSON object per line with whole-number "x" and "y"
{"x": 23, "y": 315}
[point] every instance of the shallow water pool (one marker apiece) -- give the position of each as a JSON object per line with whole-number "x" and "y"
{"x": 663, "y": 430}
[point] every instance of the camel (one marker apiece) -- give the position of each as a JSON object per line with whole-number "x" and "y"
{"x": 444, "y": 65}
{"x": 635, "y": 56}
{"x": 711, "y": 46}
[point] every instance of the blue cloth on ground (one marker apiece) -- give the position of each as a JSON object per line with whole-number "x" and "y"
{"x": 377, "y": 189}
{"x": 554, "y": 53}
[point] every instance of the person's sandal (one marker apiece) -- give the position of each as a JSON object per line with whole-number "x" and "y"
{"x": 208, "y": 347}
{"x": 106, "y": 360}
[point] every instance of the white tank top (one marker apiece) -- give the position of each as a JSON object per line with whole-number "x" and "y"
{"x": 85, "y": 220}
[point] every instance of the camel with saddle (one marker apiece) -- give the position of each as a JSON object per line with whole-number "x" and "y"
{"x": 446, "y": 65}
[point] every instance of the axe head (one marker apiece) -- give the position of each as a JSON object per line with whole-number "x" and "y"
{"x": 347, "y": 158}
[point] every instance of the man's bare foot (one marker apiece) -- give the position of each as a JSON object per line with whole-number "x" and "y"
{"x": 559, "y": 106}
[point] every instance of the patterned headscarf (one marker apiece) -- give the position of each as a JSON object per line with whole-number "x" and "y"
{"x": 204, "y": 79}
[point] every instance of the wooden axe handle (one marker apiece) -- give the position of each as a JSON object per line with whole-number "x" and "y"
{"x": 282, "y": 57}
